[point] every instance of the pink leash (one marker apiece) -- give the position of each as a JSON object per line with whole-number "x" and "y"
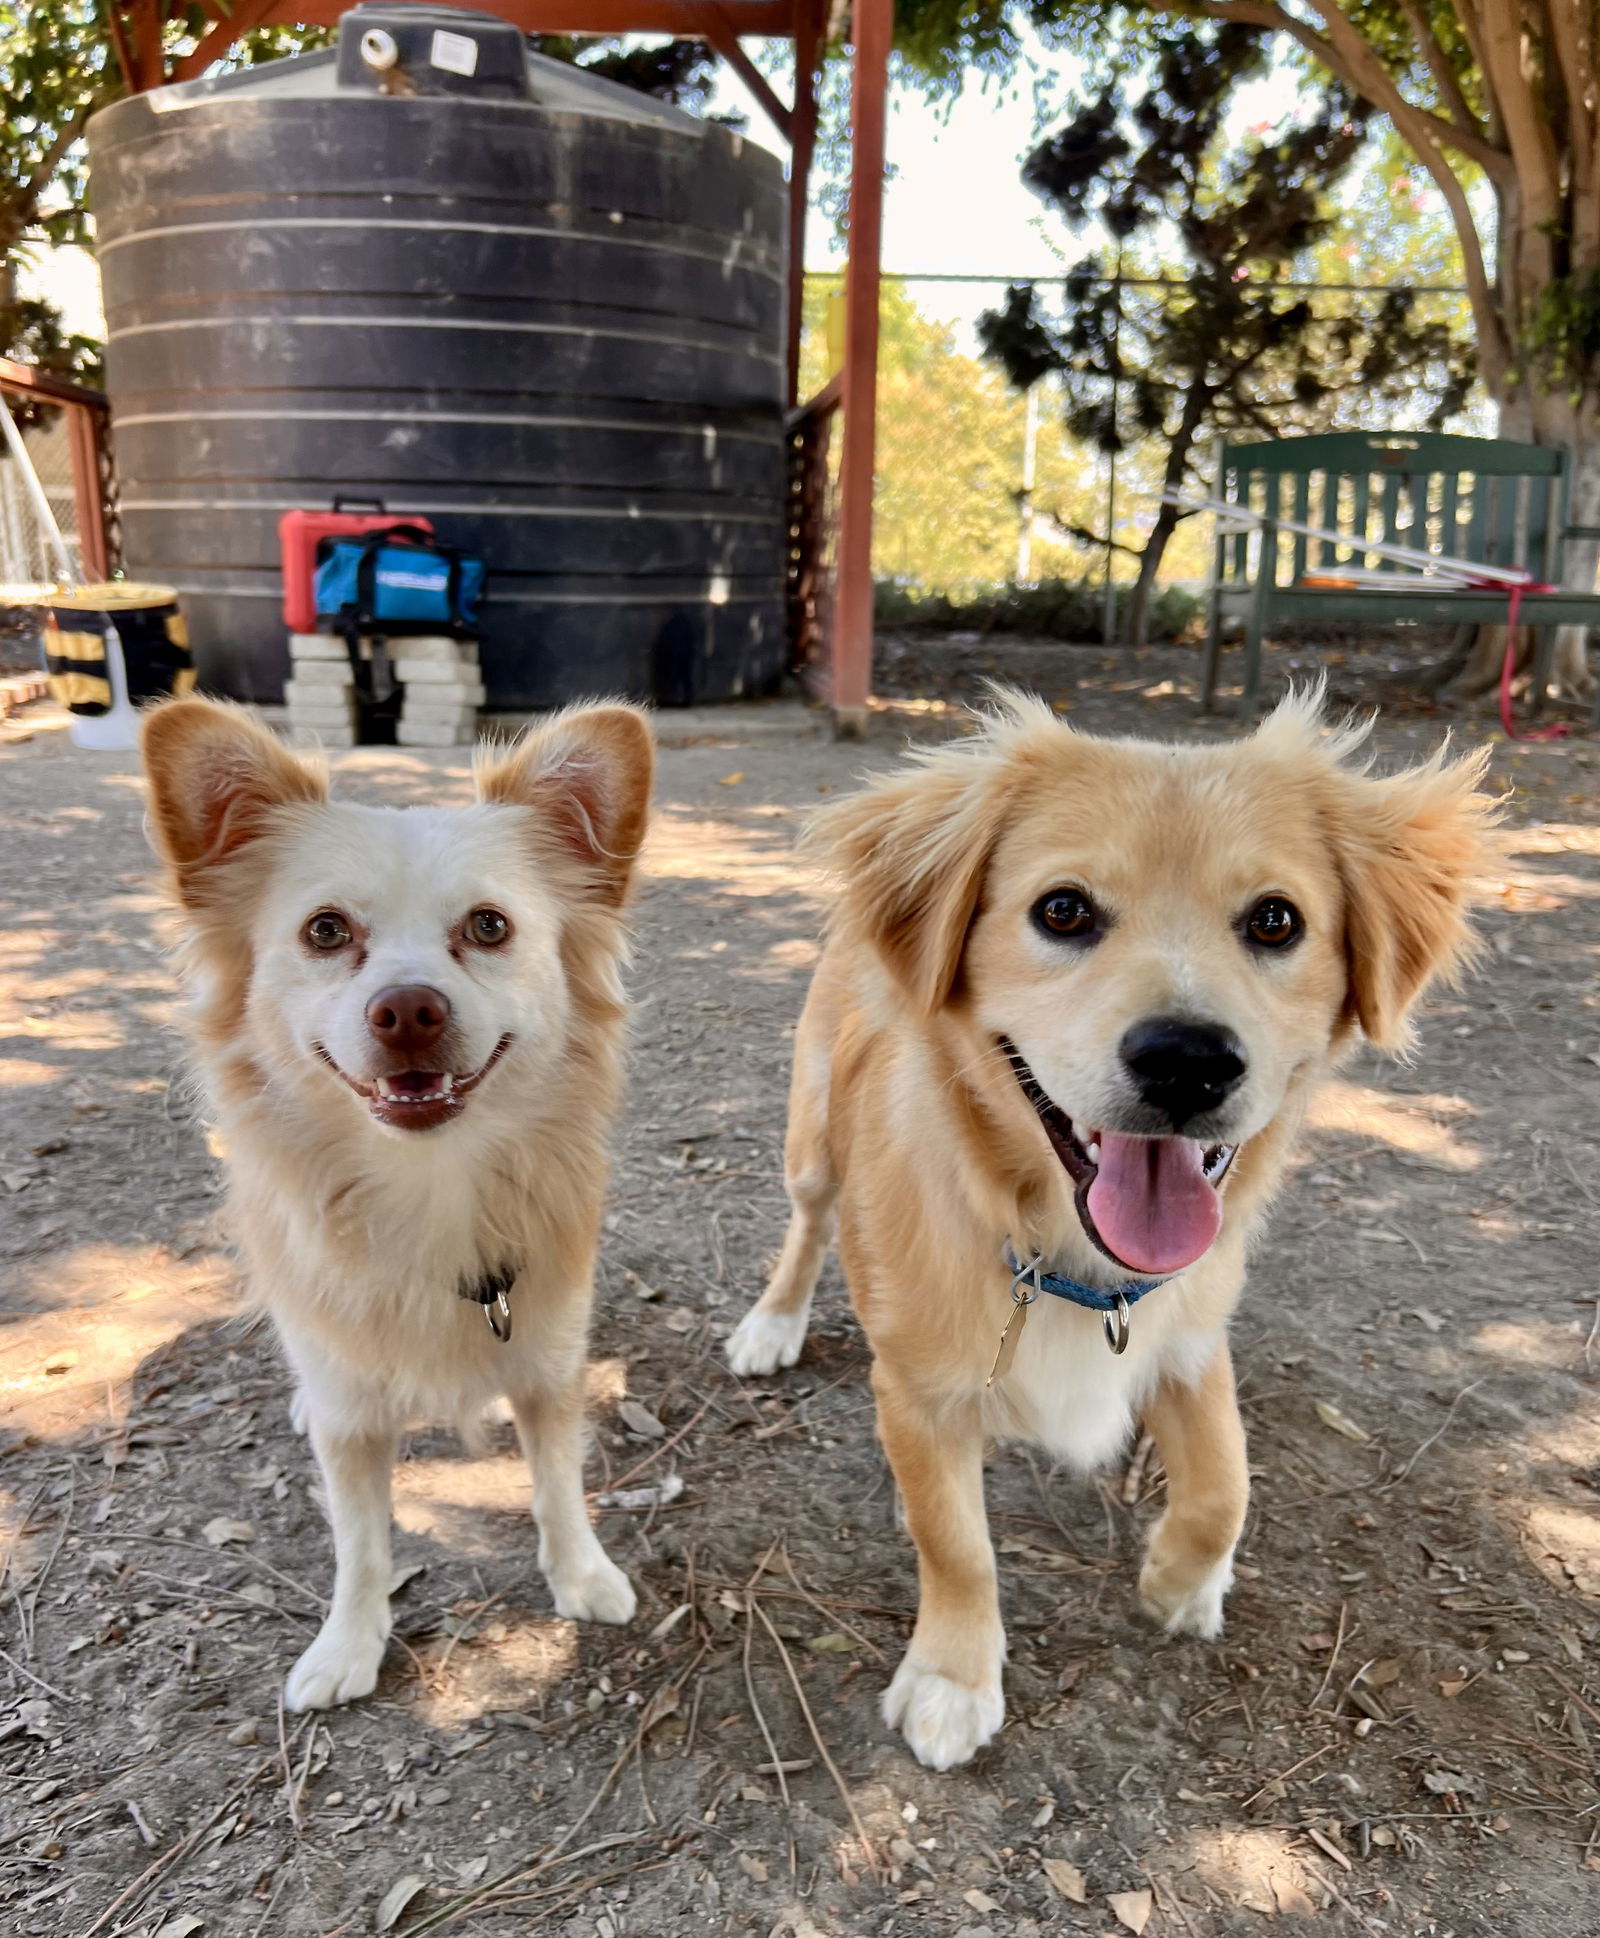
{"x": 1559, "y": 729}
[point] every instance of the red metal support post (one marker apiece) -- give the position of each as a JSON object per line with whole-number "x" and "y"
{"x": 852, "y": 629}
{"x": 802, "y": 144}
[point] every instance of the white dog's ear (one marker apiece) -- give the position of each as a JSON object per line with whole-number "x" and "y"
{"x": 1413, "y": 852}
{"x": 216, "y": 778}
{"x": 587, "y": 774}
{"x": 910, "y": 855}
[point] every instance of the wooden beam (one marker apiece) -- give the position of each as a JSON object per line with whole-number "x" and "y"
{"x": 214, "y": 43}
{"x": 802, "y": 145}
{"x": 85, "y": 429}
{"x": 721, "y": 34}
{"x": 852, "y": 624}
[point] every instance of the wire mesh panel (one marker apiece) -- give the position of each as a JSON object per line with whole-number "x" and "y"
{"x": 28, "y": 554}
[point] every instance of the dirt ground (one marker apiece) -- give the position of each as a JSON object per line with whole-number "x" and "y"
{"x": 1398, "y": 1733}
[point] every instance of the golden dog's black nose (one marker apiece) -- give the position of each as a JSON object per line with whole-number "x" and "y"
{"x": 408, "y": 1018}
{"x": 1180, "y": 1068}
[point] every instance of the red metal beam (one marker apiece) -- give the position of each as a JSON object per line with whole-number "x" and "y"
{"x": 852, "y": 628}
{"x": 772, "y": 18}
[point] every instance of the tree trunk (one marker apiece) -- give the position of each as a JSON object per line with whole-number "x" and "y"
{"x": 1553, "y": 420}
{"x": 1195, "y": 405}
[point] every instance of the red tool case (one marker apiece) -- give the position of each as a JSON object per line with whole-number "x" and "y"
{"x": 299, "y": 534}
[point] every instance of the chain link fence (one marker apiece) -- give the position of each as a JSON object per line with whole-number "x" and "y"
{"x": 982, "y": 490}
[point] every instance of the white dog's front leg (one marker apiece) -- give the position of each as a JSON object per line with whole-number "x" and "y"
{"x": 587, "y": 1584}
{"x": 343, "y": 1662}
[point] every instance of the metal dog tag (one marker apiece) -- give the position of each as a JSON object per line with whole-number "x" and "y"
{"x": 1011, "y": 1338}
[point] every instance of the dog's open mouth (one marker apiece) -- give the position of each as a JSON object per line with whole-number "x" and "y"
{"x": 417, "y": 1099}
{"x": 1149, "y": 1203}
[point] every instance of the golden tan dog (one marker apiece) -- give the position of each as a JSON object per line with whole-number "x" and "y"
{"x": 409, "y": 1024}
{"x": 1077, "y": 996}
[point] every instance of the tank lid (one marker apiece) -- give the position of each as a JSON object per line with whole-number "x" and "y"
{"x": 390, "y": 48}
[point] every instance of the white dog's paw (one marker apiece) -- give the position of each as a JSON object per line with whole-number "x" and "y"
{"x": 762, "y": 1342}
{"x": 340, "y": 1666}
{"x": 595, "y": 1591}
{"x": 1186, "y": 1607}
{"x": 944, "y": 1721}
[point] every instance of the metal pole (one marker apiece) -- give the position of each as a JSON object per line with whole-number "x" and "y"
{"x": 1109, "y": 621}
{"x": 1030, "y": 452}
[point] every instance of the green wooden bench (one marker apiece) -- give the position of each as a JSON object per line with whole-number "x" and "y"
{"x": 1471, "y": 498}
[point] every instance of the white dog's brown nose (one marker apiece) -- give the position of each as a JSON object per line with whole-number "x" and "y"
{"x": 1180, "y": 1068}
{"x": 408, "y": 1018}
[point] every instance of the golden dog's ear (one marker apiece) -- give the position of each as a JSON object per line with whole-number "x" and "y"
{"x": 910, "y": 855}
{"x": 216, "y": 778}
{"x": 587, "y": 774}
{"x": 1413, "y": 852}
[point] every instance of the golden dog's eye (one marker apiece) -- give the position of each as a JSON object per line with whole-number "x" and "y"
{"x": 329, "y": 930}
{"x": 487, "y": 927}
{"x": 1273, "y": 922}
{"x": 1067, "y": 912}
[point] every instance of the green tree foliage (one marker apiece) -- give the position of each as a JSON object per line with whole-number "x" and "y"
{"x": 1214, "y": 341}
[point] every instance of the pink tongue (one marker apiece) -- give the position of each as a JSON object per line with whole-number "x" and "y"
{"x": 1151, "y": 1203}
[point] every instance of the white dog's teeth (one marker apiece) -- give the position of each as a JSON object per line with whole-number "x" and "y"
{"x": 385, "y": 1089}
{"x": 447, "y": 1083}
{"x": 1092, "y": 1152}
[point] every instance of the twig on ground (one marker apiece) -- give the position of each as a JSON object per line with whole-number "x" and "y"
{"x": 827, "y": 1614}
{"x": 27, "y": 1620}
{"x": 761, "y": 1724}
{"x": 655, "y": 1453}
{"x": 49, "y": 1688}
{"x": 1438, "y": 1434}
{"x": 1256, "y": 1795}
{"x": 140, "y": 1885}
{"x": 1333, "y": 1659}
{"x": 869, "y": 1849}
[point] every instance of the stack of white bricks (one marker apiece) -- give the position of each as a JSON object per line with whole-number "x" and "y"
{"x": 442, "y": 690}
{"x": 321, "y": 690}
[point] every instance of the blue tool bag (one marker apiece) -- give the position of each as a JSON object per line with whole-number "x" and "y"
{"x": 396, "y": 580}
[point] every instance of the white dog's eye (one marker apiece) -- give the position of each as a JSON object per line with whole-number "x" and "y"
{"x": 328, "y": 930}
{"x": 487, "y": 927}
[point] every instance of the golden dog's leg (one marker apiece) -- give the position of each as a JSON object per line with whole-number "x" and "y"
{"x": 946, "y": 1694}
{"x": 773, "y": 1331}
{"x": 1189, "y": 1563}
{"x": 587, "y": 1584}
{"x": 343, "y": 1662}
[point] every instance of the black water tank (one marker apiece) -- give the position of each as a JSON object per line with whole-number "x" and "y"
{"x": 543, "y": 309}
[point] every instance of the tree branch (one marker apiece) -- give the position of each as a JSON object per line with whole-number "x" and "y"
{"x": 26, "y": 204}
{"x": 1573, "y": 39}
{"x": 1439, "y": 67}
{"x": 1344, "y": 50}
{"x": 1532, "y": 147}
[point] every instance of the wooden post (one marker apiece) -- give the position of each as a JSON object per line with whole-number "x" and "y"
{"x": 83, "y": 431}
{"x": 852, "y": 622}
{"x": 802, "y": 142}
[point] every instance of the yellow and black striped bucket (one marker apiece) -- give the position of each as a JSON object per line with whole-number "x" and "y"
{"x": 83, "y": 626}
{"x": 111, "y": 649}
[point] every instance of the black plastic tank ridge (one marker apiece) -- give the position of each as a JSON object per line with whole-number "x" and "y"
{"x": 429, "y": 267}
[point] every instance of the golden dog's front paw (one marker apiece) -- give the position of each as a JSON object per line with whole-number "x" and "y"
{"x": 340, "y": 1666}
{"x": 1182, "y": 1600}
{"x": 944, "y": 1721}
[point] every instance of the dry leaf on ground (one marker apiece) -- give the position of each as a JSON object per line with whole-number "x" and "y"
{"x": 1132, "y": 1909}
{"x": 1067, "y": 1879}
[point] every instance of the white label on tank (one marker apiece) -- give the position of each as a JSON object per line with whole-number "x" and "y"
{"x": 455, "y": 53}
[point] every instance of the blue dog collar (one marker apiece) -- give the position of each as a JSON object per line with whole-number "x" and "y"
{"x": 1029, "y": 1279}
